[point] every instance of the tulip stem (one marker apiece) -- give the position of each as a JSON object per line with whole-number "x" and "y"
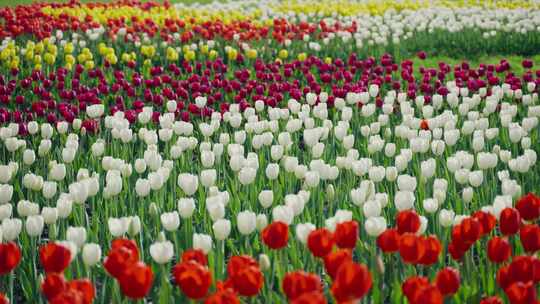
{"x": 11, "y": 275}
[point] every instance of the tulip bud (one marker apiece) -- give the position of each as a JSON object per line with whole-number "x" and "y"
{"x": 264, "y": 262}
{"x": 266, "y": 198}
{"x": 134, "y": 226}
{"x": 222, "y": 229}
{"x": 77, "y": 235}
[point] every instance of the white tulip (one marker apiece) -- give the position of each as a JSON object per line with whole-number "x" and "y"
{"x": 162, "y": 252}
{"x": 283, "y": 213}
{"x": 202, "y": 242}
{"x": 186, "y": 206}
{"x": 188, "y": 183}
{"x": 34, "y": 225}
{"x": 77, "y": 235}
{"x": 266, "y": 198}
{"x": 446, "y": 217}
{"x": 91, "y": 254}
{"x": 303, "y": 230}
{"x": 246, "y": 221}
{"x": 375, "y": 226}
{"x": 170, "y": 220}
{"x": 222, "y": 229}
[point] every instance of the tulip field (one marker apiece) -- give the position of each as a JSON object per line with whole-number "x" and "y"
{"x": 295, "y": 151}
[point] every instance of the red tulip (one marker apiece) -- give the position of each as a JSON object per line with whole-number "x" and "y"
{"x": 69, "y": 296}
{"x": 530, "y": 237}
{"x": 248, "y": 281}
{"x": 421, "y": 55}
{"x": 126, "y": 243}
{"x": 492, "y": 300}
{"x": 407, "y": 221}
{"x": 529, "y": 207}
{"x": 411, "y": 248}
{"x": 509, "y": 221}
{"x": 10, "y": 257}
{"x": 53, "y": 285}
{"x": 388, "y": 241}
{"x": 3, "y": 299}
{"x": 433, "y": 250}
{"x": 471, "y": 229}
{"x": 193, "y": 279}
{"x": 352, "y": 282}
{"x": 498, "y": 249}
{"x": 346, "y": 234}
{"x": 296, "y": 283}
{"x": 54, "y": 257}
{"x": 428, "y": 295}
{"x": 225, "y": 296}
{"x": 136, "y": 280}
{"x": 503, "y": 278}
{"x": 320, "y": 242}
{"x": 276, "y": 235}
{"x": 448, "y": 281}
{"x": 521, "y": 293}
{"x": 196, "y": 255}
{"x": 521, "y": 269}
{"x": 237, "y": 262}
{"x": 118, "y": 260}
{"x": 334, "y": 260}
{"x": 314, "y": 297}
{"x": 412, "y": 285}
{"x": 85, "y": 287}
{"x": 487, "y": 221}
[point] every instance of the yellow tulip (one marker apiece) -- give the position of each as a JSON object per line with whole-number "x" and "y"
{"x": 283, "y": 54}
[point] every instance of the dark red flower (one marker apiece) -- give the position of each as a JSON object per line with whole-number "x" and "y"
{"x": 352, "y": 282}
{"x": 136, "y": 280}
{"x": 448, "y": 281}
{"x": 521, "y": 269}
{"x": 320, "y": 242}
{"x": 54, "y": 257}
{"x": 346, "y": 234}
{"x": 53, "y": 285}
{"x": 471, "y": 229}
{"x": 433, "y": 250}
{"x": 388, "y": 241}
{"x": 529, "y": 207}
{"x": 498, "y": 249}
{"x": 509, "y": 221}
{"x": 530, "y": 237}
{"x": 521, "y": 293}
{"x": 407, "y": 221}
{"x": 487, "y": 221}
{"x": 276, "y": 235}
{"x": 10, "y": 257}
{"x": 194, "y": 279}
